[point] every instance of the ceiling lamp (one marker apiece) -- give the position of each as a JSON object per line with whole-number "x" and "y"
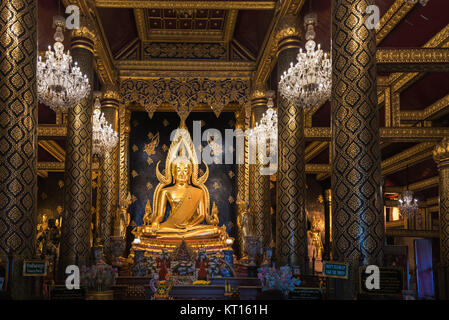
{"x": 104, "y": 138}
{"x": 60, "y": 85}
{"x": 266, "y": 131}
{"x": 308, "y": 83}
{"x": 408, "y": 206}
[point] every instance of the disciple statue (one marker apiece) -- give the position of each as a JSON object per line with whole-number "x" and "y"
{"x": 314, "y": 239}
{"x": 182, "y": 194}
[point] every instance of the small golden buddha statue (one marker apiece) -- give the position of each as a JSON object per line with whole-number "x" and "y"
{"x": 183, "y": 193}
{"x": 314, "y": 236}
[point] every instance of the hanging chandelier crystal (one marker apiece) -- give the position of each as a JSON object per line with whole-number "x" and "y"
{"x": 60, "y": 84}
{"x": 104, "y": 138}
{"x": 408, "y": 206}
{"x": 266, "y": 131}
{"x": 308, "y": 83}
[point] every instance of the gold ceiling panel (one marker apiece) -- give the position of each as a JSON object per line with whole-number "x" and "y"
{"x": 188, "y": 4}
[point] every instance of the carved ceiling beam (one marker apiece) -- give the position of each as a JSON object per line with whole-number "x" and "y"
{"x": 394, "y": 15}
{"x": 314, "y": 168}
{"x": 46, "y": 131}
{"x": 198, "y": 4}
{"x": 53, "y": 166}
{"x": 53, "y": 148}
{"x": 411, "y": 233}
{"x": 393, "y": 134}
{"x": 231, "y": 19}
{"x": 409, "y": 157}
{"x": 401, "y": 81}
{"x": 175, "y": 69}
{"x": 417, "y": 186}
{"x": 141, "y": 24}
{"x": 267, "y": 56}
{"x": 413, "y": 60}
{"x": 314, "y": 149}
{"x": 103, "y": 61}
{"x": 432, "y": 112}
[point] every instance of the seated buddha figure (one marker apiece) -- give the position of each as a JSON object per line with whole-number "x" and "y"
{"x": 184, "y": 193}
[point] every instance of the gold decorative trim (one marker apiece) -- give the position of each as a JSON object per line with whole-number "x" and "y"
{"x": 45, "y": 131}
{"x": 58, "y": 166}
{"x": 173, "y": 4}
{"x": 141, "y": 24}
{"x": 231, "y": 19}
{"x": 418, "y": 56}
{"x": 314, "y": 149}
{"x": 314, "y": 168}
{"x": 417, "y": 186}
{"x": 407, "y": 157}
{"x": 53, "y": 148}
{"x": 168, "y": 69}
{"x": 397, "y": 11}
{"x": 429, "y": 113}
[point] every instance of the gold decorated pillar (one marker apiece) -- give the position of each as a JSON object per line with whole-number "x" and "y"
{"x": 18, "y": 137}
{"x": 242, "y": 177}
{"x": 441, "y": 156}
{"x": 291, "y": 220}
{"x": 124, "y": 128}
{"x": 259, "y": 182}
{"x": 357, "y": 201}
{"x": 76, "y": 221}
{"x": 109, "y": 171}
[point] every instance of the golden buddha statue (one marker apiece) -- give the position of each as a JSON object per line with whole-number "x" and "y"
{"x": 183, "y": 192}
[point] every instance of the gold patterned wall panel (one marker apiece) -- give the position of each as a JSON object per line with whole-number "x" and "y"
{"x": 356, "y": 172}
{"x": 75, "y": 242}
{"x": 18, "y": 127}
{"x": 291, "y": 220}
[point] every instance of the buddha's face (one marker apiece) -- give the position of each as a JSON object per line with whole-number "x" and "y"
{"x": 182, "y": 172}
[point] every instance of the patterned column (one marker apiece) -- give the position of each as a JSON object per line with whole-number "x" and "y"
{"x": 242, "y": 178}
{"x": 441, "y": 156}
{"x": 109, "y": 172}
{"x": 75, "y": 242}
{"x": 291, "y": 220}
{"x": 259, "y": 183}
{"x": 357, "y": 203}
{"x": 18, "y": 136}
{"x": 124, "y": 123}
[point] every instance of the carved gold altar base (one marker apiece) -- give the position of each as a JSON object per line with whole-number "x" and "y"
{"x": 153, "y": 246}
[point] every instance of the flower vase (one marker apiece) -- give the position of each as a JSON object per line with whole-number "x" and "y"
{"x": 140, "y": 266}
{"x": 117, "y": 249}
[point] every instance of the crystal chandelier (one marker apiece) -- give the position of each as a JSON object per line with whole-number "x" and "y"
{"x": 308, "y": 83}
{"x": 408, "y": 206}
{"x": 104, "y": 138}
{"x": 266, "y": 131}
{"x": 60, "y": 85}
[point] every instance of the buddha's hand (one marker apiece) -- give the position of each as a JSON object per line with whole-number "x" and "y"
{"x": 155, "y": 225}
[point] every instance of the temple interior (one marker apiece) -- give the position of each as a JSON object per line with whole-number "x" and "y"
{"x": 224, "y": 150}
